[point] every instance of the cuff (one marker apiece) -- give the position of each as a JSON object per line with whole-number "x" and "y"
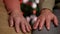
{"x": 49, "y": 4}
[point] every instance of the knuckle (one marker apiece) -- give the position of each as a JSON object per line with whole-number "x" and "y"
{"x": 17, "y": 23}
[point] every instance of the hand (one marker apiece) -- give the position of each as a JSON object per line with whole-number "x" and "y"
{"x": 17, "y": 19}
{"x": 45, "y": 17}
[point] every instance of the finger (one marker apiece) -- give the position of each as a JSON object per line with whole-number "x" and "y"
{"x": 55, "y": 21}
{"x": 48, "y": 24}
{"x": 35, "y": 26}
{"x": 28, "y": 25}
{"x": 27, "y": 28}
{"x": 11, "y": 21}
{"x": 17, "y": 24}
{"x": 41, "y": 24}
{"x": 23, "y": 27}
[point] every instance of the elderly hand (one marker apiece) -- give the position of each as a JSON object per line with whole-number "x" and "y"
{"x": 17, "y": 19}
{"x": 45, "y": 17}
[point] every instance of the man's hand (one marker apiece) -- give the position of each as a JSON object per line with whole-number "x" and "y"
{"x": 17, "y": 19}
{"x": 45, "y": 17}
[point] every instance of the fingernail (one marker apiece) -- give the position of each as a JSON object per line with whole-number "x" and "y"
{"x": 57, "y": 24}
{"x": 24, "y": 31}
{"x": 17, "y": 31}
{"x": 34, "y": 28}
{"x": 40, "y": 28}
{"x": 48, "y": 28}
{"x": 28, "y": 31}
{"x": 10, "y": 25}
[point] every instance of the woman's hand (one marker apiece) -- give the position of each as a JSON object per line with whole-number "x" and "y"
{"x": 16, "y": 18}
{"x": 45, "y": 17}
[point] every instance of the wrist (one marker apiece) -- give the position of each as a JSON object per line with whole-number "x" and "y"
{"x": 45, "y": 10}
{"x": 15, "y": 12}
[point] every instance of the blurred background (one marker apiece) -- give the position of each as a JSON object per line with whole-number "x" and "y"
{"x": 27, "y": 8}
{"x": 57, "y": 4}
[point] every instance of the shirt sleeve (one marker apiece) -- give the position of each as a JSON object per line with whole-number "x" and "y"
{"x": 49, "y": 4}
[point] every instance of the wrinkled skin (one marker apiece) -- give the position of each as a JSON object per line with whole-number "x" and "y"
{"x": 45, "y": 17}
{"x": 17, "y": 19}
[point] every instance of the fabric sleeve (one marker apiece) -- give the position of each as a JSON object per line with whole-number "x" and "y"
{"x": 49, "y": 4}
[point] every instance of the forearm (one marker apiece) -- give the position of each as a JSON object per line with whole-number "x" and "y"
{"x": 48, "y": 4}
{"x": 12, "y": 5}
